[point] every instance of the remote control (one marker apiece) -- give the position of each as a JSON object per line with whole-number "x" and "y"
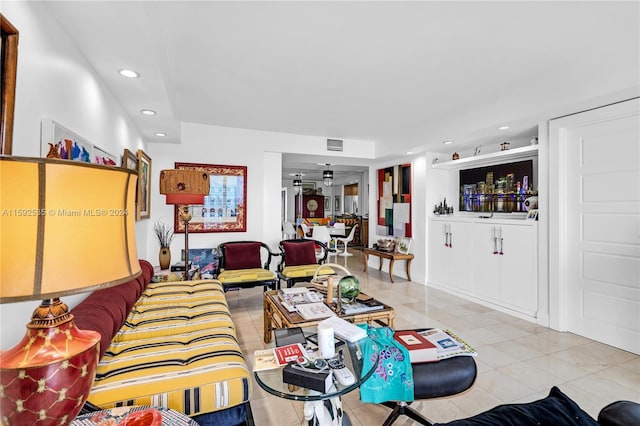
{"x": 341, "y": 372}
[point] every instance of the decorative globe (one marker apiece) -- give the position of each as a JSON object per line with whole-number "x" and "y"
{"x": 349, "y": 288}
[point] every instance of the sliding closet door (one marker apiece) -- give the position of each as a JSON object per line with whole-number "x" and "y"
{"x": 598, "y": 243}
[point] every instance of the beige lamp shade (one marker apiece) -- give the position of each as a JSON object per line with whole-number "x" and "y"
{"x": 66, "y": 227}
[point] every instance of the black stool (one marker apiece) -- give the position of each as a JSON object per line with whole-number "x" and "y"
{"x": 434, "y": 380}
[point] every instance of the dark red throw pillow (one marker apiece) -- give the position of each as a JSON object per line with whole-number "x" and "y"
{"x": 242, "y": 255}
{"x": 303, "y": 253}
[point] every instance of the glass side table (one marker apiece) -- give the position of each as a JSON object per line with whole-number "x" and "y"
{"x": 271, "y": 381}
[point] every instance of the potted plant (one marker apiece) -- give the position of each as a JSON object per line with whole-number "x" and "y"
{"x": 164, "y": 234}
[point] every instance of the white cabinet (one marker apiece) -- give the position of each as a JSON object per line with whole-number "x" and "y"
{"x": 492, "y": 261}
{"x": 505, "y": 265}
{"x": 451, "y": 248}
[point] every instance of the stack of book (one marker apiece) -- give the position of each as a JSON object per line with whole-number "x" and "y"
{"x": 357, "y": 307}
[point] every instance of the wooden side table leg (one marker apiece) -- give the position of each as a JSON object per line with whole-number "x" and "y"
{"x": 267, "y": 315}
{"x": 381, "y": 260}
{"x": 365, "y": 260}
{"x": 409, "y": 269}
{"x": 390, "y": 268}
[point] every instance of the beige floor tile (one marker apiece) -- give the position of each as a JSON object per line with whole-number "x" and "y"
{"x": 273, "y": 410}
{"x": 593, "y": 356}
{"x": 517, "y": 361}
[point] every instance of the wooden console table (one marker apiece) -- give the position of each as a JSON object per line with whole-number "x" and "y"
{"x": 392, "y": 256}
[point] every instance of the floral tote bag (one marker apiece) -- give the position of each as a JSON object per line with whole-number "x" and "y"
{"x": 392, "y": 379}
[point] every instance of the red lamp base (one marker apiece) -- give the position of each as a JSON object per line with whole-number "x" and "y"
{"x": 46, "y": 378}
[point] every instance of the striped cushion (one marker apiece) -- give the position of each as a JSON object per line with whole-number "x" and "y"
{"x": 245, "y": 276}
{"x": 305, "y": 271}
{"x": 165, "y": 309}
{"x": 188, "y": 359}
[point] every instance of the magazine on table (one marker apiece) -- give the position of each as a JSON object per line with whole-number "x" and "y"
{"x": 296, "y": 298}
{"x": 447, "y": 343}
{"x": 312, "y": 311}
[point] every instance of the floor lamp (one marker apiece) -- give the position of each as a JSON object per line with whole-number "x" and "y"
{"x": 183, "y": 187}
{"x": 66, "y": 227}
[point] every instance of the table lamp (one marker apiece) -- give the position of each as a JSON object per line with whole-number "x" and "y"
{"x": 183, "y": 187}
{"x": 66, "y": 227}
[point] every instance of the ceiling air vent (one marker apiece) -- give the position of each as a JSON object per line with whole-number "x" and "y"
{"x": 334, "y": 144}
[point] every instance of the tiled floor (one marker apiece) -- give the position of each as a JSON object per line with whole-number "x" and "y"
{"x": 517, "y": 361}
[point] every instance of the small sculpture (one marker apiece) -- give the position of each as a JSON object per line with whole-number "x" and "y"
{"x": 455, "y": 156}
{"x": 53, "y": 151}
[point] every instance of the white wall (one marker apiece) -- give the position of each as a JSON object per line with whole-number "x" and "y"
{"x": 261, "y": 152}
{"x": 55, "y": 82}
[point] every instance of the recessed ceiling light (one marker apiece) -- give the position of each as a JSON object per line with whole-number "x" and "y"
{"x": 148, "y": 112}
{"x": 129, "y": 73}
{"x": 409, "y": 152}
{"x": 160, "y": 134}
{"x": 296, "y": 174}
{"x": 447, "y": 142}
{"x": 503, "y": 127}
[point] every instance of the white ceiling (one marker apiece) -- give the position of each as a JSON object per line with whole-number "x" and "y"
{"x": 406, "y": 75}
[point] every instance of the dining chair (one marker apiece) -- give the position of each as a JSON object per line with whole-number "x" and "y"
{"x": 288, "y": 231}
{"x": 321, "y": 233}
{"x": 340, "y": 226}
{"x": 306, "y": 231}
{"x": 344, "y": 240}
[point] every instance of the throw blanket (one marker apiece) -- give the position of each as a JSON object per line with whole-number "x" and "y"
{"x": 393, "y": 378}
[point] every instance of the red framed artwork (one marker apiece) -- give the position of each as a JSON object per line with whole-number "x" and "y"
{"x": 225, "y": 208}
{"x": 394, "y": 201}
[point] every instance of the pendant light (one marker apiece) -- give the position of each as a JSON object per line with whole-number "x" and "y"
{"x": 297, "y": 182}
{"x": 327, "y": 176}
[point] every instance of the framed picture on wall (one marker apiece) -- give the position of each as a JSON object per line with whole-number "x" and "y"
{"x": 225, "y": 208}
{"x": 100, "y": 156}
{"x": 403, "y": 244}
{"x": 129, "y": 160}
{"x": 143, "y": 209}
{"x": 394, "y": 201}
{"x": 327, "y": 203}
{"x": 308, "y": 188}
{"x": 336, "y": 203}
{"x": 56, "y": 141}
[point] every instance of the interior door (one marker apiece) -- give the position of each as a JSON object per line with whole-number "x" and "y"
{"x": 603, "y": 223}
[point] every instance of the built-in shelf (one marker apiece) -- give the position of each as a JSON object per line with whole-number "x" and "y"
{"x": 490, "y": 159}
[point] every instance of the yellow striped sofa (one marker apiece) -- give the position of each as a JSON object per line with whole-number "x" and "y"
{"x": 176, "y": 347}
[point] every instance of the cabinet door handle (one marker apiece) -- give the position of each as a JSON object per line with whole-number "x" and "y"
{"x": 446, "y": 235}
{"x": 450, "y": 239}
{"x": 495, "y": 241}
{"x": 501, "y": 242}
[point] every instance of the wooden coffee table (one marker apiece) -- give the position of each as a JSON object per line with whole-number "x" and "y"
{"x": 392, "y": 256}
{"x": 277, "y": 316}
